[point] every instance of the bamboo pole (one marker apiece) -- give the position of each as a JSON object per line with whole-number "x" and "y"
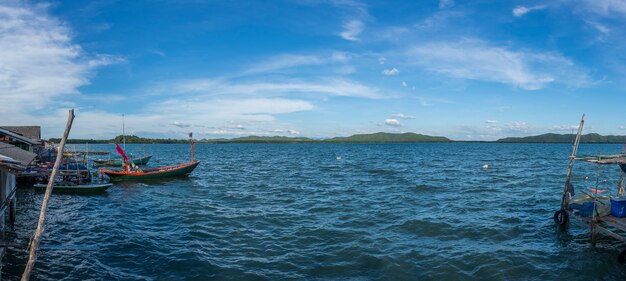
{"x": 44, "y": 205}
{"x": 572, "y": 157}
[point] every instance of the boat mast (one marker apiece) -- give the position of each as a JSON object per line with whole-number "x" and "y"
{"x": 123, "y": 133}
{"x": 192, "y": 144}
{"x": 566, "y": 193}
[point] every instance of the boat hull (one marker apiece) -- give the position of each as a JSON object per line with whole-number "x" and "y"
{"x": 75, "y": 189}
{"x": 181, "y": 170}
{"x": 119, "y": 162}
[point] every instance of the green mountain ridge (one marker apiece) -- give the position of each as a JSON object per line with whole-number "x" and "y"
{"x": 389, "y": 137}
{"x": 360, "y": 138}
{"x": 366, "y": 138}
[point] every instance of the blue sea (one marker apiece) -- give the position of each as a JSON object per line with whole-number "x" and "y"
{"x": 326, "y": 212}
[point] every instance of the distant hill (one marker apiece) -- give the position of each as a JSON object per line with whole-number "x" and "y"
{"x": 361, "y": 138}
{"x": 566, "y": 138}
{"x": 258, "y": 139}
{"x": 389, "y": 137}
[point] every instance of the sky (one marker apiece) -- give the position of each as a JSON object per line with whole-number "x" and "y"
{"x": 466, "y": 70}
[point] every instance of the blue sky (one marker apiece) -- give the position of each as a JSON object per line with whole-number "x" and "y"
{"x": 467, "y": 70}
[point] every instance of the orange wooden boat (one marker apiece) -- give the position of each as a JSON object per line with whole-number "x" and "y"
{"x": 180, "y": 170}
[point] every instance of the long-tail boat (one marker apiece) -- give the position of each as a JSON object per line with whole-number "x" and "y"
{"x": 136, "y": 173}
{"x": 73, "y": 188}
{"x": 179, "y": 170}
{"x": 120, "y": 162}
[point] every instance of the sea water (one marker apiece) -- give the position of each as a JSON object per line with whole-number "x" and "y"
{"x": 326, "y": 211}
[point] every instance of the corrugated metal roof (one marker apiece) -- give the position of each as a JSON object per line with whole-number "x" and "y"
{"x": 10, "y": 164}
{"x": 18, "y": 136}
{"x": 32, "y": 132}
{"x": 22, "y": 156}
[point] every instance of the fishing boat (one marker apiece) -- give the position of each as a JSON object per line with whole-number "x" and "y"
{"x": 74, "y": 188}
{"x": 179, "y": 170}
{"x": 75, "y": 178}
{"x": 132, "y": 172}
{"x": 119, "y": 162}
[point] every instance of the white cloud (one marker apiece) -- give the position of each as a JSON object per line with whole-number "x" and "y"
{"x": 328, "y": 86}
{"x": 402, "y": 116}
{"x": 180, "y": 125}
{"x": 289, "y": 61}
{"x": 382, "y": 60}
{"x": 599, "y": 27}
{"x": 622, "y": 127}
{"x": 283, "y": 131}
{"x": 404, "y": 84}
{"x": 478, "y": 60}
{"x": 518, "y": 126}
{"x": 520, "y": 11}
{"x": 352, "y": 29}
{"x": 491, "y": 121}
{"x": 39, "y": 66}
{"x": 603, "y": 7}
{"x": 393, "y": 122}
{"x": 391, "y": 72}
{"x": 38, "y": 61}
{"x": 564, "y": 128}
{"x": 445, "y": 3}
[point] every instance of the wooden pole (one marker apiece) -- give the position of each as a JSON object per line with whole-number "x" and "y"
{"x": 565, "y": 199}
{"x": 44, "y": 205}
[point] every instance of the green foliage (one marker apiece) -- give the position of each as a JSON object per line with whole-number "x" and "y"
{"x": 388, "y": 137}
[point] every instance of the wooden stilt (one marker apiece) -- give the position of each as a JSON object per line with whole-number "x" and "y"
{"x": 12, "y": 211}
{"x": 572, "y": 157}
{"x": 44, "y": 205}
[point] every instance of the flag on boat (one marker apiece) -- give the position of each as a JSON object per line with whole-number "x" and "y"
{"x": 120, "y": 151}
{"x": 190, "y": 135}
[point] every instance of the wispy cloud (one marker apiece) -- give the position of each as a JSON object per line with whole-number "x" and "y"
{"x": 180, "y": 125}
{"x": 352, "y": 29}
{"x": 402, "y": 116}
{"x": 391, "y": 72}
{"x": 602, "y": 7}
{"x": 564, "y": 128}
{"x": 393, "y": 122}
{"x": 287, "y": 61}
{"x": 445, "y": 4}
{"x": 38, "y": 60}
{"x": 520, "y": 11}
{"x": 518, "y": 126}
{"x": 478, "y": 60}
{"x": 598, "y": 26}
{"x": 326, "y": 86}
{"x": 491, "y": 121}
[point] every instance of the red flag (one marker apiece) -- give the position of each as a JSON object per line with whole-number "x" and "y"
{"x": 120, "y": 151}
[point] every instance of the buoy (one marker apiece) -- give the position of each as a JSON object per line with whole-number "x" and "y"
{"x": 338, "y": 157}
{"x": 485, "y": 167}
{"x": 586, "y": 178}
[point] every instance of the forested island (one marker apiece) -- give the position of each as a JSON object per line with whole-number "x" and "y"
{"x": 360, "y": 138}
{"x": 364, "y": 138}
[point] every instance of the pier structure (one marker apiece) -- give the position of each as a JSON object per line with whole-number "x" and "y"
{"x": 9, "y": 167}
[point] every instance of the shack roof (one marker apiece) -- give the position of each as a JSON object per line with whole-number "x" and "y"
{"x": 17, "y": 154}
{"x": 31, "y": 132}
{"x": 8, "y": 163}
{"x": 17, "y": 136}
